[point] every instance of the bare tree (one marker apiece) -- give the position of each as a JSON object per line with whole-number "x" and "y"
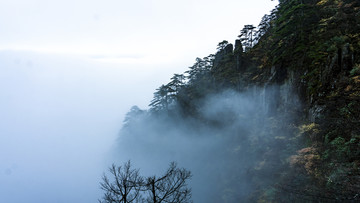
{"x": 126, "y": 186}
{"x": 129, "y": 186}
{"x": 171, "y": 187}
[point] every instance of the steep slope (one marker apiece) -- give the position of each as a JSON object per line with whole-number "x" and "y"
{"x": 315, "y": 45}
{"x": 284, "y": 102}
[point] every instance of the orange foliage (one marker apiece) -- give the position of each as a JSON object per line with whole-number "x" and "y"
{"x": 306, "y": 159}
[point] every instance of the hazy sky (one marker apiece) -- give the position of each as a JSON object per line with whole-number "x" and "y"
{"x": 69, "y": 71}
{"x": 136, "y": 31}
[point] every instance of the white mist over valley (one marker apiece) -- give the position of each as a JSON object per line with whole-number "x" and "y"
{"x": 60, "y": 117}
{"x": 69, "y": 73}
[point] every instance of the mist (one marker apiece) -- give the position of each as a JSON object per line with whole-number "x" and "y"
{"x": 60, "y": 116}
{"x": 65, "y": 120}
{"x": 69, "y": 73}
{"x": 224, "y": 147}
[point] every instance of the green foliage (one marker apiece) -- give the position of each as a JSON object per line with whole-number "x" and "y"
{"x": 340, "y": 150}
{"x": 222, "y": 45}
{"x": 355, "y": 71}
{"x": 247, "y": 36}
{"x": 318, "y": 42}
{"x": 340, "y": 147}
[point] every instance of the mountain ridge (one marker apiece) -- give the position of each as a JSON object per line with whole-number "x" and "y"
{"x": 301, "y": 70}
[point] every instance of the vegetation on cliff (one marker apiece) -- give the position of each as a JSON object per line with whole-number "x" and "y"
{"x": 300, "y": 149}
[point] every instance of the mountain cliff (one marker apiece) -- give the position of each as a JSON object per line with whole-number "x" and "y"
{"x": 284, "y": 102}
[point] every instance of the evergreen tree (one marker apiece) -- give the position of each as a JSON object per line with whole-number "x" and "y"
{"x": 161, "y": 99}
{"x": 246, "y": 36}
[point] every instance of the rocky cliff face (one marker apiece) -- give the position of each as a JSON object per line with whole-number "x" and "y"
{"x": 325, "y": 98}
{"x": 303, "y": 75}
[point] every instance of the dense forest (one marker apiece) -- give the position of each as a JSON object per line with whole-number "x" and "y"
{"x": 273, "y": 118}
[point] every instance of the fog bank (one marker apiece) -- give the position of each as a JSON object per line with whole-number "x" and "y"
{"x": 59, "y": 117}
{"x": 223, "y": 147}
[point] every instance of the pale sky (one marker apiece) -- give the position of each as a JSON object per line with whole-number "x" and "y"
{"x": 136, "y": 31}
{"x": 71, "y": 69}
